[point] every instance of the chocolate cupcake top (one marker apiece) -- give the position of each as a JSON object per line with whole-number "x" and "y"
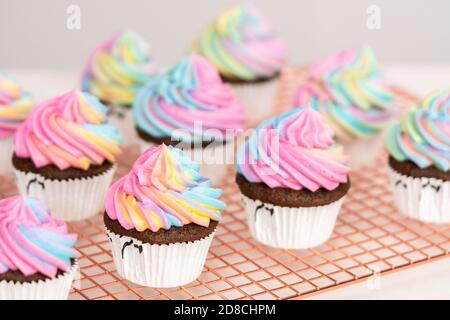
{"x": 15, "y": 105}
{"x": 118, "y": 68}
{"x": 69, "y": 131}
{"x": 423, "y": 136}
{"x": 31, "y": 241}
{"x": 163, "y": 190}
{"x": 350, "y": 92}
{"x": 295, "y": 151}
{"x": 189, "y": 103}
{"x": 242, "y": 45}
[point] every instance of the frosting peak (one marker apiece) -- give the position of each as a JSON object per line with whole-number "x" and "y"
{"x": 31, "y": 241}
{"x": 241, "y": 44}
{"x": 68, "y": 131}
{"x": 118, "y": 68}
{"x": 15, "y": 105}
{"x": 164, "y": 189}
{"x": 423, "y": 136}
{"x": 307, "y": 130}
{"x": 348, "y": 90}
{"x": 295, "y": 151}
{"x": 190, "y": 103}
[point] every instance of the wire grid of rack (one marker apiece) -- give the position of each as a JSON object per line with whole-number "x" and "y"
{"x": 370, "y": 237}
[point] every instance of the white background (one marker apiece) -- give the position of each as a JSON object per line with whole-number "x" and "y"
{"x": 34, "y": 33}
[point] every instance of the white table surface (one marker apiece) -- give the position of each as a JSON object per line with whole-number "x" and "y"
{"x": 429, "y": 281}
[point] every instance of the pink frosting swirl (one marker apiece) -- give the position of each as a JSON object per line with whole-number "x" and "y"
{"x": 164, "y": 189}
{"x": 15, "y": 105}
{"x": 31, "y": 241}
{"x": 295, "y": 150}
{"x": 68, "y": 131}
{"x": 190, "y": 94}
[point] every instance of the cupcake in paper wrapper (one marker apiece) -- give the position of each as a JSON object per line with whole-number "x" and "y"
{"x": 293, "y": 179}
{"x": 242, "y": 45}
{"x": 161, "y": 219}
{"x": 65, "y": 155}
{"x": 15, "y": 105}
{"x": 419, "y": 162}
{"x": 291, "y": 228}
{"x": 71, "y": 199}
{"x": 116, "y": 70}
{"x": 189, "y": 107}
{"x": 37, "y": 256}
{"x": 351, "y": 94}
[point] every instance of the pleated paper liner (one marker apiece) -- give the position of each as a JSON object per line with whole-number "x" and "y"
{"x": 371, "y": 237}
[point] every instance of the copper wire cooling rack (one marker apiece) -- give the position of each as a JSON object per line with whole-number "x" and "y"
{"x": 370, "y": 237}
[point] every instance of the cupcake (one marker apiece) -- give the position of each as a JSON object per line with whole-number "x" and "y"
{"x": 161, "y": 219}
{"x": 419, "y": 160}
{"x": 15, "y": 104}
{"x": 242, "y": 45}
{"x": 191, "y": 108}
{"x": 293, "y": 179}
{"x": 65, "y": 155}
{"x": 37, "y": 255}
{"x": 115, "y": 72}
{"x": 349, "y": 91}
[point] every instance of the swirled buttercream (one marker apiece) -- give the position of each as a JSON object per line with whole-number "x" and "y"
{"x": 189, "y": 103}
{"x": 69, "y": 131}
{"x": 349, "y": 91}
{"x": 164, "y": 189}
{"x": 423, "y": 136}
{"x": 295, "y": 150}
{"x": 242, "y": 45}
{"x": 31, "y": 241}
{"x": 15, "y": 105}
{"x": 118, "y": 68}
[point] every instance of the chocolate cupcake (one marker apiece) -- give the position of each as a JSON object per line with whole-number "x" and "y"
{"x": 349, "y": 91}
{"x": 419, "y": 161}
{"x": 116, "y": 70}
{"x": 161, "y": 219}
{"x": 37, "y": 255}
{"x": 191, "y": 108}
{"x": 65, "y": 155}
{"x": 15, "y": 105}
{"x": 293, "y": 180}
{"x": 242, "y": 45}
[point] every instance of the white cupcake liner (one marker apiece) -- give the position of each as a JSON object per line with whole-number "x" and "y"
{"x": 122, "y": 119}
{"x": 6, "y": 152}
{"x": 362, "y": 151}
{"x": 159, "y": 266}
{"x": 68, "y": 200}
{"x": 291, "y": 228}
{"x": 214, "y": 160}
{"x": 50, "y": 289}
{"x": 258, "y": 98}
{"x": 425, "y": 199}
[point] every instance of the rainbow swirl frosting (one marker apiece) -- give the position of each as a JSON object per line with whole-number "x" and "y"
{"x": 423, "y": 136}
{"x": 15, "y": 105}
{"x": 164, "y": 189}
{"x": 31, "y": 241}
{"x": 68, "y": 131}
{"x": 241, "y": 44}
{"x": 349, "y": 91}
{"x": 189, "y": 103}
{"x": 295, "y": 150}
{"x": 118, "y": 68}
{"x": 438, "y": 102}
